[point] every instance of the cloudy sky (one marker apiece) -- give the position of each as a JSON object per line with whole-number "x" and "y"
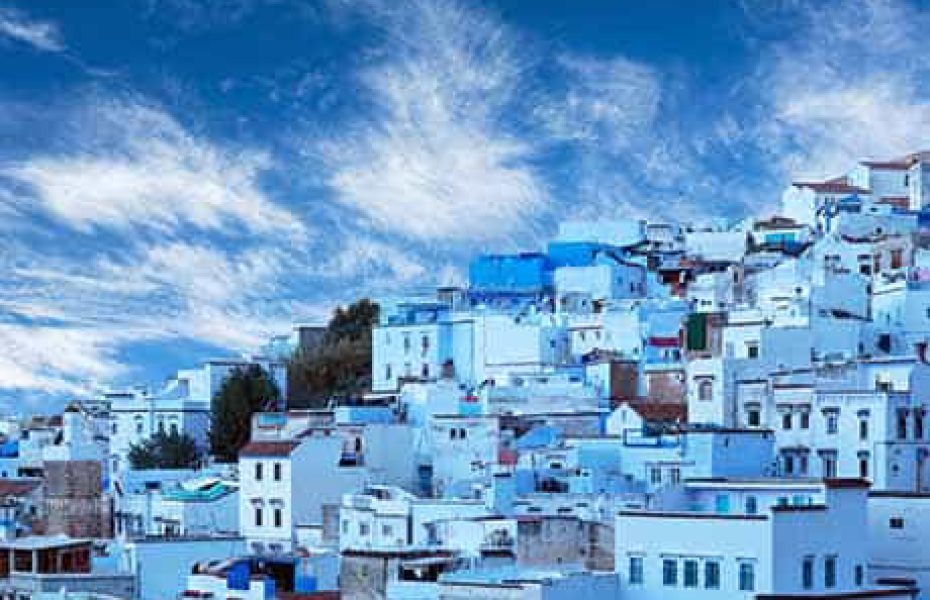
{"x": 180, "y": 179}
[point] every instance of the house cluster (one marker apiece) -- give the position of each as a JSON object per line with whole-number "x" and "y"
{"x": 637, "y": 411}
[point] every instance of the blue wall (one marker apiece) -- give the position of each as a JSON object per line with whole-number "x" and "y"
{"x": 517, "y": 273}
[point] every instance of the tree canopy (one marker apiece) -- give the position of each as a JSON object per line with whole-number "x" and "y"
{"x": 340, "y": 366}
{"x": 244, "y": 392}
{"x": 165, "y": 451}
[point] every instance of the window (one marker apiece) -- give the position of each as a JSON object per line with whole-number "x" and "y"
{"x": 424, "y": 343}
{"x": 788, "y": 462}
{"x": 712, "y": 575}
{"x": 345, "y": 526}
{"x": 786, "y": 421}
{"x": 453, "y": 433}
{"x": 363, "y": 529}
{"x": 919, "y": 424}
{"x": 829, "y": 466}
{"x": 864, "y": 467}
{"x": 805, "y": 420}
{"x": 113, "y": 428}
{"x": 424, "y": 371}
{"x": 802, "y": 464}
{"x": 138, "y": 421}
{"x": 406, "y": 343}
{"x": 752, "y": 505}
{"x": 387, "y": 531}
{"x": 863, "y": 429}
{"x": 807, "y": 572}
{"x": 706, "y": 390}
{"x": 258, "y": 516}
{"x": 278, "y": 517}
{"x": 902, "y": 423}
{"x": 897, "y": 258}
{"x": 747, "y": 577}
{"x": 896, "y": 523}
{"x": 636, "y": 570}
{"x": 722, "y": 503}
{"x": 387, "y": 372}
{"x": 173, "y": 428}
{"x": 859, "y": 575}
{"x": 691, "y": 573}
{"x": 674, "y": 475}
{"x": 753, "y": 418}
{"x": 832, "y": 422}
{"x": 655, "y": 475}
{"x": 277, "y": 471}
{"x": 829, "y": 572}
{"x": 752, "y": 350}
{"x": 258, "y": 471}
{"x": 669, "y": 572}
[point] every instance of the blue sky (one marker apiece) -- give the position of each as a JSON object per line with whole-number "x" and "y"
{"x": 180, "y": 179}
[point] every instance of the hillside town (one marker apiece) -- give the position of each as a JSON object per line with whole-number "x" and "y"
{"x": 638, "y": 411}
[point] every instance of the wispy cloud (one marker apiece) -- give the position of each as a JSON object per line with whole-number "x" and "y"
{"x": 854, "y": 89}
{"x": 608, "y": 102}
{"x": 149, "y": 233}
{"x": 41, "y": 35}
{"x": 434, "y": 159}
{"x": 133, "y": 166}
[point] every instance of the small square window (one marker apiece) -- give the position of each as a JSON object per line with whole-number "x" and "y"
{"x": 896, "y": 523}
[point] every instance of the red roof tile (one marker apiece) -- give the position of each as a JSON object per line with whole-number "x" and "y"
{"x": 13, "y": 487}
{"x": 899, "y": 201}
{"x": 665, "y": 412}
{"x": 888, "y": 165}
{"x": 268, "y": 448}
{"x": 831, "y": 187}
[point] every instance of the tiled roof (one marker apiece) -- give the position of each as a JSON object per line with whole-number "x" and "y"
{"x": 902, "y": 163}
{"x": 831, "y": 187}
{"x": 778, "y": 222}
{"x": 899, "y": 201}
{"x": 14, "y": 487}
{"x": 665, "y": 412}
{"x": 268, "y": 448}
{"x": 889, "y": 165}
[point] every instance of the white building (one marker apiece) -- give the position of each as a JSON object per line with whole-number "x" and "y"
{"x": 810, "y": 550}
{"x": 181, "y": 406}
{"x": 285, "y": 483}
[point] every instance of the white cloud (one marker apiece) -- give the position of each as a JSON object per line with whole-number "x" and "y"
{"x": 41, "y": 35}
{"x": 435, "y": 160}
{"x": 134, "y": 166}
{"x": 608, "y": 102}
{"x": 372, "y": 259}
{"x": 66, "y": 360}
{"x": 71, "y": 319}
{"x": 854, "y": 89}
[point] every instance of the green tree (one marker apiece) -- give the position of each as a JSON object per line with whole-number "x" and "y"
{"x": 165, "y": 451}
{"x": 340, "y": 366}
{"x": 244, "y": 392}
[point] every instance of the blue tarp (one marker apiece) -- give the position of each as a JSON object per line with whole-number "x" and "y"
{"x": 9, "y": 449}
